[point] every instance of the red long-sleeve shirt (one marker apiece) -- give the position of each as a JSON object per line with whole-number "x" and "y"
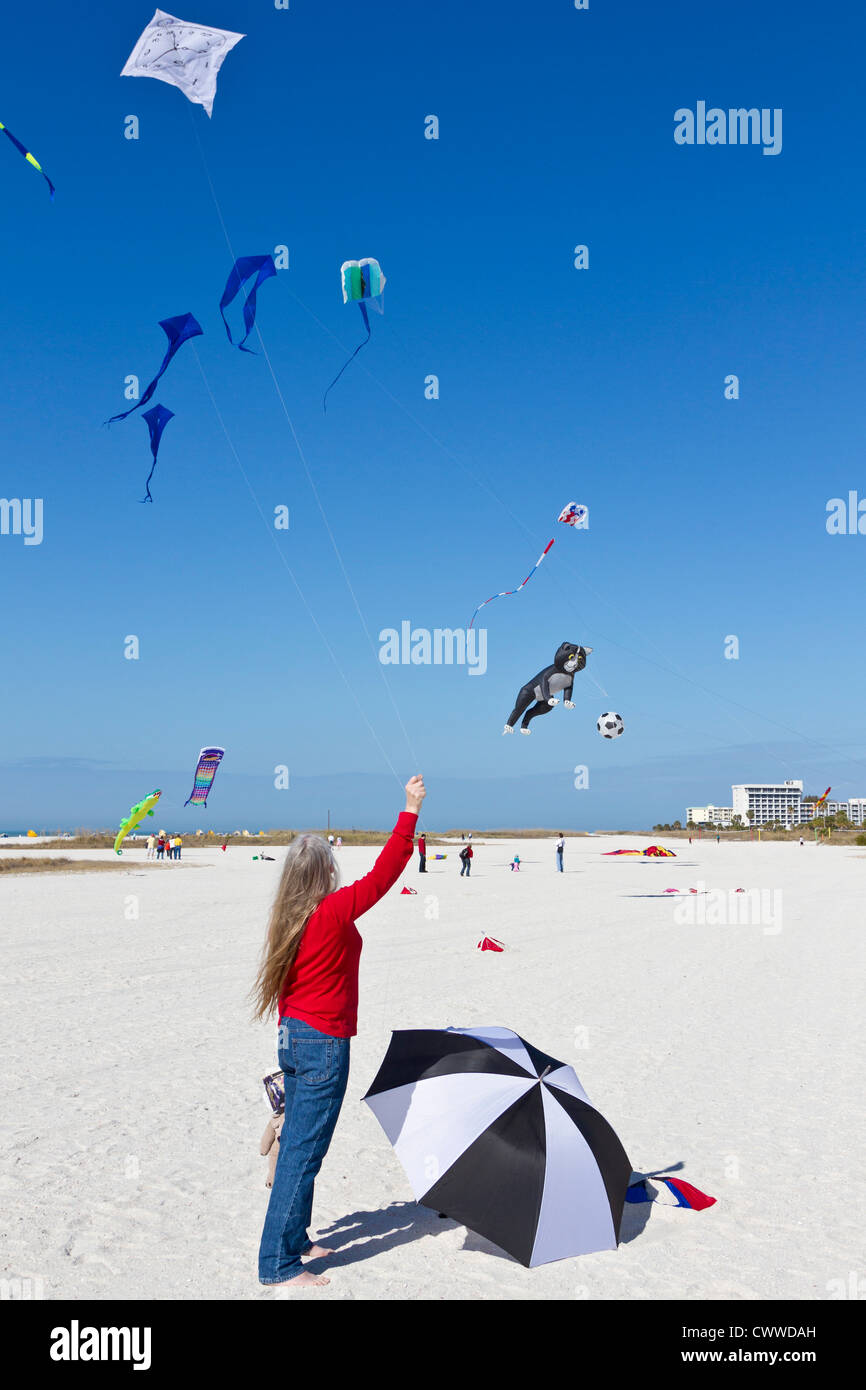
{"x": 322, "y": 986}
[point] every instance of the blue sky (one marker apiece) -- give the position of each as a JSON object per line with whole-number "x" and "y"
{"x": 707, "y": 516}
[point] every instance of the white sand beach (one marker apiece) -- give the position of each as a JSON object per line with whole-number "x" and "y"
{"x": 133, "y": 1105}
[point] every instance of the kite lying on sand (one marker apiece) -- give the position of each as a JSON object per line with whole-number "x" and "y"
{"x": 209, "y": 760}
{"x": 136, "y": 814}
{"x": 651, "y": 852}
{"x": 669, "y": 1192}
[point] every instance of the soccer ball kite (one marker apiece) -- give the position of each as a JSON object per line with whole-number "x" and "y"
{"x": 610, "y": 725}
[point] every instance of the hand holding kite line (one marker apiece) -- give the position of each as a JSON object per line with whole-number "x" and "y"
{"x": 571, "y": 515}
{"x": 415, "y": 794}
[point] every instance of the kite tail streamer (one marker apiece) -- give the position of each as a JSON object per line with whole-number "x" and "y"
{"x": 506, "y": 593}
{"x": 31, "y": 158}
{"x": 365, "y": 316}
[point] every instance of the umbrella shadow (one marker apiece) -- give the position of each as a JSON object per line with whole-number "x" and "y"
{"x": 365, "y": 1234}
{"x": 389, "y": 1227}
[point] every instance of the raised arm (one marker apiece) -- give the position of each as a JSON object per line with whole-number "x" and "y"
{"x": 358, "y": 897}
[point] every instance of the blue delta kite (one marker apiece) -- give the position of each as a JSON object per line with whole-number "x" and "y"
{"x": 244, "y": 268}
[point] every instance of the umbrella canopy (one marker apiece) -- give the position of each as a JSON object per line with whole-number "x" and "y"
{"x": 503, "y": 1138}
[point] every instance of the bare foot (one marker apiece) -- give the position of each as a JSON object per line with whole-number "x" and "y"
{"x": 302, "y": 1280}
{"x": 316, "y": 1252}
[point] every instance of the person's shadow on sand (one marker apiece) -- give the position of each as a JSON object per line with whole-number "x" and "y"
{"x": 364, "y": 1234}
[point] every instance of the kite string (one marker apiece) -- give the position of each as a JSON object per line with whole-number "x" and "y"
{"x": 484, "y": 486}
{"x": 289, "y": 570}
{"x": 306, "y": 468}
{"x": 661, "y": 665}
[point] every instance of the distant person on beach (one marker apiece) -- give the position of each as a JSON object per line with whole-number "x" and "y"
{"x": 339, "y": 842}
{"x": 560, "y": 851}
{"x": 801, "y": 840}
{"x": 466, "y": 861}
{"x": 309, "y": 972}
{"x": 160, "y": 845}
{"x": 177, "y": 846}
{"x": 515, "y": 864}
{"x": 422, "y": 853}
{"x": 151, "y": 846}
{"x": 331, "y": 841}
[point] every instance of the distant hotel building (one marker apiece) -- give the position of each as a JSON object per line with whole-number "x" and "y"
{"x": 763, "y": 803}
{"x": 709, "y": 815}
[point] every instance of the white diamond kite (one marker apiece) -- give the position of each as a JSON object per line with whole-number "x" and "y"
{"x": 189, "y": 56}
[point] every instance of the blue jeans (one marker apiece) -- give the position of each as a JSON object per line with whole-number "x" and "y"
{"x": 316, "y": 1070}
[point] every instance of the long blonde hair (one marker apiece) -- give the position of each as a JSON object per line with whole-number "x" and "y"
{"x": 309, "y": 875}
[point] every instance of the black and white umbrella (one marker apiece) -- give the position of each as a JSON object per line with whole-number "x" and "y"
{"x": 503, "y": 1139}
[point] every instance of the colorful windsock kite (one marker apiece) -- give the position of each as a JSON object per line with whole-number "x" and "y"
{"x": 209, "y": 760}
